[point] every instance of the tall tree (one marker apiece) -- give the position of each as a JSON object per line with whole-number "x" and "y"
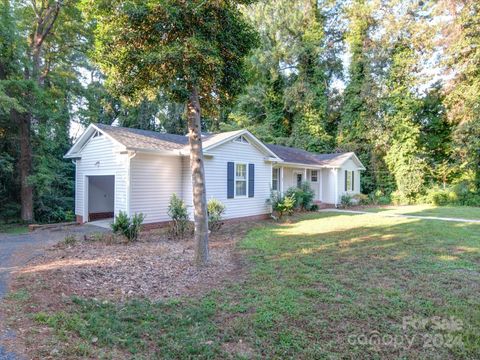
{"x": 286, "y": 100}
{"x": 360, "y": 107}
{"x": 461, "y": 40}
{"x": 190, "y": 50}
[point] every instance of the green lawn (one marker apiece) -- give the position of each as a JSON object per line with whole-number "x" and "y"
{"x": 13, "y": 228}
{"x": 462, "y": 212}
{"x": 325, "y": 286}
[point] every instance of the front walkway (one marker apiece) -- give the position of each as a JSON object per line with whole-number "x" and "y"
{"x": 404, "y": 215}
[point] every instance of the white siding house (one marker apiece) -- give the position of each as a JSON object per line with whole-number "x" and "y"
{"x": 131, "y": 170}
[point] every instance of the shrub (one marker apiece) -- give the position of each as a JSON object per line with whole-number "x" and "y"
{"x": 303, "y": 196}
{"x": 346, "y": 201}
{"x": 215, "y": 210}
{"x": 361, "y": 199}
{"x": 128, "y": 227}
{"x": 296, "y": 194}
{"x": 282, "y": 204}
{"x": 179, "y": 215}
{"x": 377, "y": 197}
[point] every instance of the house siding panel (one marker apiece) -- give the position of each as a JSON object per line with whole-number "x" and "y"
{"x": 154, "y": 179}
{"x": 216, "y": 179}
{"x": 349, "y": 165}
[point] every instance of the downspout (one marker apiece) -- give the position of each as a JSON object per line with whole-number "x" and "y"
{"x": 130, "y": 156}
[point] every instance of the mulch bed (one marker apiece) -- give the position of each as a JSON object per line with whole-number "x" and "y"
{"x": 156, "y": 267}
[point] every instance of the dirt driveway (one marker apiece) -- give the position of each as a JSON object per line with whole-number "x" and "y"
{"x": 16, "y": 250}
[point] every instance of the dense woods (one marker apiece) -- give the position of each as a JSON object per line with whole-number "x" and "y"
{"x": 398, "y": 82}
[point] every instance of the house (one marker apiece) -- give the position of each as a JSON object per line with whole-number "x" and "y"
{"x": 122, "y": 169}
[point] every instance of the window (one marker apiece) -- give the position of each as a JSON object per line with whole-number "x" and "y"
{"x": 240, "y": 179}
{"x": 275, "y": 179}
{"x": 242, "y": 139}
{"x": 349, "y": 180}
{"x": 314, "y": 175}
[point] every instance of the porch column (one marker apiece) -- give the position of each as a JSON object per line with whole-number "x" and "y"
{"x": 336, "y": 186}
{"x": 305, "y": 175}
{"x": 281, "y": 180}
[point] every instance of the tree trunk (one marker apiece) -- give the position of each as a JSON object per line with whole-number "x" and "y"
{"x": 25, "y": 165}
{"x": 198, "y": 178}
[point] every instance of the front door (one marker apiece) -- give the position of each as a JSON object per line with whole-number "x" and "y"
{"x": 299, "y": 179}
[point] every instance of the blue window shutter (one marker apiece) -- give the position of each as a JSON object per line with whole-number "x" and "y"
{"x": 346, "y": 174}
{"x": 353, "y": 180}
{"x": 230, "y": 180}
{"x": 251, "y": 180}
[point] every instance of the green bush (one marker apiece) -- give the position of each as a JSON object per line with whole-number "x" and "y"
{"x": 282, "y": 205}
{"x": 346, "y": 201}
{"x": 303, "y": 196}
{"x": 361, "y": 199}
{"x": 215, "y": 210}
{"x": 377, "y": 197}
{"x": 178, "y": 213}
{"x": 462, "y": 194}
{"x": 128, "y": 227}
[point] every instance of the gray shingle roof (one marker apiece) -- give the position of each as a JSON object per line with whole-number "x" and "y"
{"x": 294, "y": 155}
{"x": 144, "y": 139}
{"x": 153, "y": 141}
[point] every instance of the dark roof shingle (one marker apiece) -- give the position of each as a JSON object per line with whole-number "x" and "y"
{"x": 154, "y": 141}
{"x": 294, "y": 155}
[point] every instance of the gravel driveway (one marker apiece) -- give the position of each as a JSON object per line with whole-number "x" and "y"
{"x": 16, "y": 250}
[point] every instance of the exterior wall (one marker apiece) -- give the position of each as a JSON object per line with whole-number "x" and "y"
{"x": 350, "y": 166}
{"x": 328, "y": 186}
{"x": 153, "y": 180}
{"x": 187, "y": 194}
{"x": 216, "y": 179}
{"x": 100, "y": 156}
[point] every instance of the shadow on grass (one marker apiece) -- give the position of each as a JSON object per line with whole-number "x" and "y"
{"x": 312, "y": 284}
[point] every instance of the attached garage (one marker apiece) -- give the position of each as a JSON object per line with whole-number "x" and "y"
{"x": 101, "y": 197}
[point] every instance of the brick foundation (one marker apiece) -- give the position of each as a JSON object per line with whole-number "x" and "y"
{"x": 157, "y": 225}
{"x": 79, "y": 219}
{"x": 247, "y": 218}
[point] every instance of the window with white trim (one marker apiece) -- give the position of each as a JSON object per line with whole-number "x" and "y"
{"x": 275, "y": 176}
{"x": 242, "y": 139}
{"x": 314, "y": 175}
{"x": 240, "y": 180}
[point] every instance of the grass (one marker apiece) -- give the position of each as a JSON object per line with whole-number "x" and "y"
{"x": 461, "y": 212}
{"x": 327, "y": 285}
{"x": 13, "y": 229}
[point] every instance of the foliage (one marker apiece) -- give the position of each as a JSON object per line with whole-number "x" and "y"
{"x": 70, "y": 240}
{"x": 361, "y": 199}
{"x": 215, "y": 209}
{"x": 177, "y": 211}
{"x": 282, "y": 204}
{"x": 129, "y": 227}
{"x": 303, "y": 195}
{"x": 346, "y": 201}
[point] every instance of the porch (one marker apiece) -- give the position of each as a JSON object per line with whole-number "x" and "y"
{"x": 324, "y": 181}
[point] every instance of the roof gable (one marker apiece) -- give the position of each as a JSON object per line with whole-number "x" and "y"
{"x": 152, "y": 141}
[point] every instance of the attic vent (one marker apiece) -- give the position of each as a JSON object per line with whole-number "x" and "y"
{"x": 242, "y": 139}
{"x": 97, "y": 134}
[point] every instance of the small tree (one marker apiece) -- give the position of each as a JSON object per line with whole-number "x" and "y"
{"x": 216, "y": 210}
{"x": 179, "y": 215}
{"x": 191, "y": 51}
{"x": 128, "y": 226}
